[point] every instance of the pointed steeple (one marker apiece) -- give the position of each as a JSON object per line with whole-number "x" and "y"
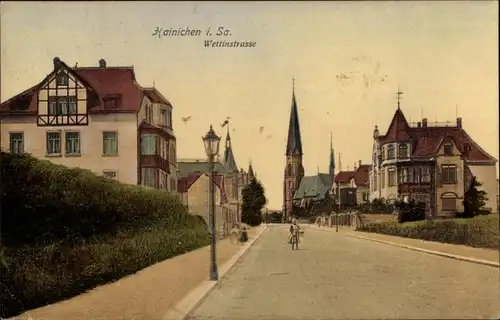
{"x": 294, "y": 142}
{"x": 251, "y": 175}
{"x": 399, "y": 127}
{"x": 331, "y": 167}
{"x": 228, "y": 161}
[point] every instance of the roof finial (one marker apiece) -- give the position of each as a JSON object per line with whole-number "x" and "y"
{"x": 153, "y": 82}
{"x": 331, "y": 141}
{"x": 399, "y": 96}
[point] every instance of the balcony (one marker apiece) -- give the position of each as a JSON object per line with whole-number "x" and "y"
{"x": 155, "y": 161}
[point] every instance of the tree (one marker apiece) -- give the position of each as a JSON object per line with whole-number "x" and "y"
{"x": 254, "y": 200}
{"x": 474, "y": 200}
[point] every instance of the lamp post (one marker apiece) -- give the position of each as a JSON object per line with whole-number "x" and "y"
{"x": 211, "y": 141}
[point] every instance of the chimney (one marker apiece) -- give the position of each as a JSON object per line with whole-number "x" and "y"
{"x": 359, "y": 163}
{"x": 57, "y": 62}
{"x": 424, "y": 122}
{"x": 459, "y": 122}
{"x": 102, "y": 63}
{"x": 419, "y": 124}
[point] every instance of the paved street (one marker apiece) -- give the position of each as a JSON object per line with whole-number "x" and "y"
{"x": 334, "y": 276}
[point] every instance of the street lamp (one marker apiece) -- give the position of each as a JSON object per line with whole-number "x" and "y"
{"x": 211, "y": 141}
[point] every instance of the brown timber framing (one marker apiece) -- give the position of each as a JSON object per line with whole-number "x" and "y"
{"x": 67, "y": 119}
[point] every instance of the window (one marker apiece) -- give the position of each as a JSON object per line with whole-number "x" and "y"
{"x": 375, "y": 186}
{"x": 110, "y": 143}
{"x": 73, "y": 143}
{"x": 163, "y": 180}
{"x": 148, "y": 145}
{"x": 416, "y": 175}
{"x": 164, "y": 149}
{"x": 16, "y": 142}
{"x": 403, "y": 151}
{"x": 173, "y": 185}
{"x": 366, "y": 197}
{"x": 390, "y": 152}
{"x": 163, "y": 117}
{"x": 391, "y": 177}
{"x": 62, "y": 79}
{"x": 449, "y": 174}
{"x": 59, "y": 106}
{"x": 149, "y": 113}
{"x": 425, "y": 174}
{"x": 169, "y": 118}
{"x": 148, "y": 177}
{"x": 382, "y": 178}
{"x": 111, "y": 103}
{"x": 109, "y": 174}
{"x": 172, "y": 152}
{"x": 449, "y": 203}
{"x": 405, "y": 176}
{"x": 448, "y": 149}
{"x": 54, "y": 143}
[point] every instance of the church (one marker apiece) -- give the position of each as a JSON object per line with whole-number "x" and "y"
{"x": 299, "y": 190}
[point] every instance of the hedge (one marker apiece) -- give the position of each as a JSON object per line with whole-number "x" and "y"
{"x": 65, "y": 231}
{"x": 481, "y": 231}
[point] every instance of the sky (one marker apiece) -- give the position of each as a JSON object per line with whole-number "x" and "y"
{"x": 348, "y": 59}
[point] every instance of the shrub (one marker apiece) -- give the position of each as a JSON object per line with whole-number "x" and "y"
{"x": 81, "y": 230}
{"x": 410, "y": 211}
{"x": 480, "y": 231}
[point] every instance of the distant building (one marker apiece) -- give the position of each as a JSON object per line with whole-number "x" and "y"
{"x": 430, "y": 163}
{"x": 97, "y": 118}
{"x": 352, "y": 188}
{"x": 229, "y": 183}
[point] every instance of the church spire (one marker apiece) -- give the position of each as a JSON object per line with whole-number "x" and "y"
{"x": 229, "y": 162}
{"x": 251, "y": 174}
{"x": 331, "y": 167}
{"x": 294, "y": 142}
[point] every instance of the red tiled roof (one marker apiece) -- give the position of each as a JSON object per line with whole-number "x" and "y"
{"x": 115, "y": 82}
{"x": 155, "y": 96}
{"x": 427, "y": 140}
{"x": 398, "y": 129}
{"x": 186, "y": 182}
{"x": 343, "y": 176}
{"x": 362, "y": 175}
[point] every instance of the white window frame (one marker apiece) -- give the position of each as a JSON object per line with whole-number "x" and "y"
{"x": 75, "y": 141}
{"x": 16, "y": 145}
{"x": 58, "y": 142}
{"x": 62, "y": 75}
{"x": 107, "y": 145}
{"x": 163, "y": 117}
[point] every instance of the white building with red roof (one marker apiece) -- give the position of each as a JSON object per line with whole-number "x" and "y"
{"x": 431, "y": 163}
{"x": 97, "y": 118}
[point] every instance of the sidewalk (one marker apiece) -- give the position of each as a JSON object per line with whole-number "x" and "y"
{"x": 146, "y": 295}
{"x": 490, "y": 255}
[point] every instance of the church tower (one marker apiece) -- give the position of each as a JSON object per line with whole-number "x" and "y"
{"x": 331, "y": 166}
{"x": 294, "y": 170}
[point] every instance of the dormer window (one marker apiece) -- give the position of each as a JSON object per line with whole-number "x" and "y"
{"x": 390, "y": 152}
{"x": 448, "y": 149}
{"x": 403, "y": 151}
{"x": 62, "y": 79}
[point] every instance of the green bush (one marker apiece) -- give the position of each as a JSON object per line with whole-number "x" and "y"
{"x": 65, "y": 231}
{"x": 410, "y": 211}
{"x": 480, "y": 231}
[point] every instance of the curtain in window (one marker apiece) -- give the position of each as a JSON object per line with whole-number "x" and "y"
{"x": 53, "y": 142}
{"x": 110, "y": 143}
{"x": 148, "y": 177}
{"x": 148, "y": 145}
{"x": 72, "y": 106}
{"x": 72, "y": 142}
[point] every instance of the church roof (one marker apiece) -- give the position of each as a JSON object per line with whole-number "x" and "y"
{"x": 314, "y": 187}
{"x": 294, "y": 142}
{"x": 228, "y": 160}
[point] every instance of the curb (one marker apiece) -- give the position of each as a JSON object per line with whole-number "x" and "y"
{"x": 436, "y": 253}
{"x": 195, "y": 298}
